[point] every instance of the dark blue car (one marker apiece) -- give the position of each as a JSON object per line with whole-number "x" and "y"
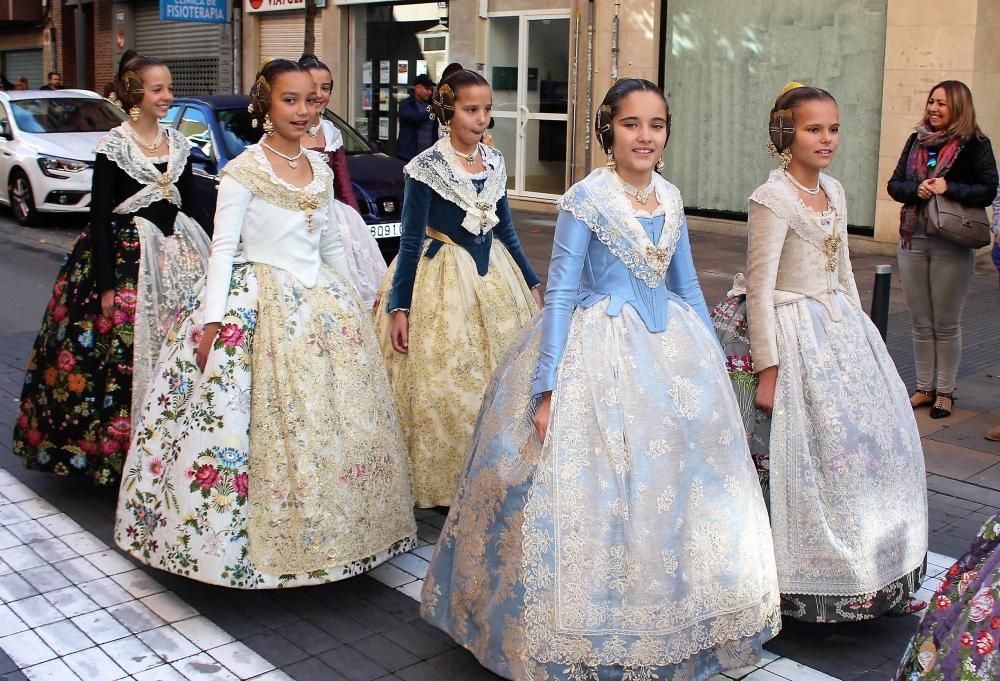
{"x": 219, "y": 128}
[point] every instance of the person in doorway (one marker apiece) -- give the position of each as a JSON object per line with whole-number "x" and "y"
{"x": 459, "y": 291}
{"x": 418, "y": 127}
{"x": 53, "y": 81}
{"x": 117, "y": 293}
{"x": 624, "y": 535}
{"x": 268, "y": 453}
{"x": 847, "y": 490}
{"x": 947, "y": 155}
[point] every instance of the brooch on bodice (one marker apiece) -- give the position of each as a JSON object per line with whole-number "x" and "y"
{"x": 658, "y": 258}
{"x": 164, "y": 182}
{"x": 831, "y": 247}
{"x": 308, "y": 203}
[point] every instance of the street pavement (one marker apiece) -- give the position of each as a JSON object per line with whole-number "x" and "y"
{"x": 74, "y": 607}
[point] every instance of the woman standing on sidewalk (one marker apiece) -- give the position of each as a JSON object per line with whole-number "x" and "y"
{"x": 624, "y": 535}
{"x": 268, "y": 453}
{"x": 847, "y": 490}
{"x": 118, "y": 291}
{"x": 363, "y": 254}
{"x": 947, "y": 155}
{"x": 461, "y": 288}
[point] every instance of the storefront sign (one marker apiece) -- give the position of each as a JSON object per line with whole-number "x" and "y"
{"x": 202, "y": 11}
{"x": 274, "y": 5}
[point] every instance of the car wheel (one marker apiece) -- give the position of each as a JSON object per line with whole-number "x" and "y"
{"x": 22, "y": 201}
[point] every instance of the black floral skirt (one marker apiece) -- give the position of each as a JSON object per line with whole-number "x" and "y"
{"x": 74, "y": 416}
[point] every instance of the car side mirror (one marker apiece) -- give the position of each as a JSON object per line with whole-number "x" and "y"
{"x": 5, "y": 131}
{"x": 201, "y": 158}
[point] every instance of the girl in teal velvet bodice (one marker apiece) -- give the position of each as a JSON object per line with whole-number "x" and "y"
{"x": 459, "y": 291}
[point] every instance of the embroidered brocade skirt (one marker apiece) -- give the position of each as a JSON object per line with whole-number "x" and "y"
{"x": 86, "y": 372}
{"x": 461, "y": 324}
{"x": 283, "y": 464}
{"x": 959, "y": 635}
{"x": 820, "y": 496}
{"x": 633, "y": 544}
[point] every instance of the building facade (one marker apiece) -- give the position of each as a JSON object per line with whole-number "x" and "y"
{"x": 550, "y": 62}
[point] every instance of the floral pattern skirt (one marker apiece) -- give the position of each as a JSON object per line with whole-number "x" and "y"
{"x": 283, "y": 463}
{"x": 76, "y": 413}
{"x": 461, "y": 324}
{"x": 729, "y": 319}
{"x": 959, "y": 636}
{"x": 634, "y": 543}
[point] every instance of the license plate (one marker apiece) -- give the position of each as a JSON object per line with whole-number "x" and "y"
{"x": 386, "y": 230}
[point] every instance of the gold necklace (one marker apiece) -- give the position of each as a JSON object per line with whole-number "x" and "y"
{"x": 293, "y": 161}
{"x": 469, "y": 159}
{"x": 640, "y": 195}
{"x": 143, "y": 142}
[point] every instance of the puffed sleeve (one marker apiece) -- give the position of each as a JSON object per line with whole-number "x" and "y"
{"x": 230, "y": 214}
{"x": 899, "y": 187}
{"x": 331, "y": 247}
{"x": 569, "y": 252}
{"x": 507, "y": 234}
{"x": 102, "y": 199}
{"x": 682, "y": 278}
{"x": 189, "y": 198}
{"x": 416, "y": 207}
{"x": 979, "y": 193}
{"x": 765, "y": 238}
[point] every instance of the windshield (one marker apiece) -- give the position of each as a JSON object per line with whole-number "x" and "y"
{"x": 60, "y": 114}
{"x": 354, "y": 143}
{"x": 237, "y": 133}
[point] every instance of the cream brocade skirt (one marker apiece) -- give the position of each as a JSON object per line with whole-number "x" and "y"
{"x": 461, "y": 324}
{"x": 283, "y": 463}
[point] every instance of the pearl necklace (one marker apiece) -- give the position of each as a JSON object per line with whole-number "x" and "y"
{"x": 293, "y": 161}
{"x": 143, "y": 142}
{"x": 469, "y": 159}
{"x": 813, "y": 191}
{"x": 640, "y": 195}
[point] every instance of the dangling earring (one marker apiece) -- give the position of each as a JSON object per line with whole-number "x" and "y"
{"x": 446, "y": 129}
{"x": 660, "y": 165}
{"x": 785, "y": 159}
{"x": 268, "y": 126}
{"x": 611, "y": 160}
{"x": 133, "y": 113}
{"x": 313, "y": 130}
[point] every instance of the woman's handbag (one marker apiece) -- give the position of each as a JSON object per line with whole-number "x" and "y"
{"x": 961, "y": 225}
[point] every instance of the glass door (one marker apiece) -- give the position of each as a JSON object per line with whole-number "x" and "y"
{"x": 528, "y": 68}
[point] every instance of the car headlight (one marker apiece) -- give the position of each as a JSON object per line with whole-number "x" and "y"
{"x": 52, "y": 166}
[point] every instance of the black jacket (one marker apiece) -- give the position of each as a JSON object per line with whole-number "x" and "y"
{"x": 972, "y": 179}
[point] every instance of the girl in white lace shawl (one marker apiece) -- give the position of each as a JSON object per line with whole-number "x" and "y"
{"x": 847, "y": 490}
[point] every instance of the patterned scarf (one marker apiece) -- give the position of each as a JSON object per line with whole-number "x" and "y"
{"x": 916, "y": 169}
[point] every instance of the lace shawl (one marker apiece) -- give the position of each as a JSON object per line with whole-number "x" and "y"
{"x": 252, "y": 170}
{"x": 599, "y": 202}
{"x": 438, "y": 168}
{"x": 780, "y": 196}
{"x": 119, "y": 147}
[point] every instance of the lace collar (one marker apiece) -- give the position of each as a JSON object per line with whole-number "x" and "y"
{"x": 438, "y": 168}
{"x": 118, "y": 146}
{"x": 782, "y": 199}
{"x": 253, "y": 170}
{"x": 599, "y": 202}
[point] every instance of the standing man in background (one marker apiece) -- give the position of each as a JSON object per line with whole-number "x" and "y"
{"x": 54, "y": 81}
{"x": 417, "y": 128}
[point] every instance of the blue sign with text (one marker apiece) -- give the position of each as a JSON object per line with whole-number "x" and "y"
{"x": 205, "y": 11}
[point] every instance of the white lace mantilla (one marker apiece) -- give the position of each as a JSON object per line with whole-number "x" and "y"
{"x": 600, "y": 202}
{"x": 781, "y": 197}
{"x": 438, "y": 168}
{"x": 118, "y": 146}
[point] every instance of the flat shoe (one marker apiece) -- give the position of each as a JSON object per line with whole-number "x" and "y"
{"x": 993, "y": 434}
{"x": 921, "y": 398}
{"x": 942, "y": 406}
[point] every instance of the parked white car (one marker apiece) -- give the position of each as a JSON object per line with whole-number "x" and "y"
{"x": 47, "y": 142}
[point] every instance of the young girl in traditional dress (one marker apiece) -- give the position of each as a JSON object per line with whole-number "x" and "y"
{"x": 461, "y": 288}
{"x": 847, "y": 492}
{"x": 608, "y": 524}
{"x": 117, "y": 293}
{"x": 268, "y": 452}
{"x": 363, "y": 254}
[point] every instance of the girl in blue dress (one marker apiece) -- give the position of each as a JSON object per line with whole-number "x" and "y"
{"x": 609, "y": 524}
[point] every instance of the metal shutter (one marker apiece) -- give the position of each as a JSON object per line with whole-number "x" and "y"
{"x": 27, "y": 63}
{"x": 199, "y": 55}
{"x": 282, "y": 35}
